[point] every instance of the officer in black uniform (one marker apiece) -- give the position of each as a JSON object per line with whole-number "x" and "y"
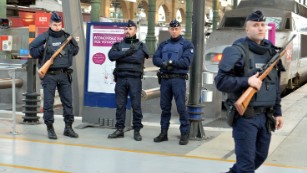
{"x": 238, "y": 70}
{"x": 59, "y": 75}
{"x": 174, "y": 57}
{"x": 129, "y": 55}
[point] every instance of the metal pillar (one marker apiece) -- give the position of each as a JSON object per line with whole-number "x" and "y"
{"x": 150, "y": 38}
{"x": 31, "y": 95}
{"x": 95, "y": 11}
{"x": 194, "y": 106}
{"x": 3, "y": 9}
{"x": 188, "y": 26}
{"x": 215, "y": 14}
{"x": 31, "y": 100}
{"x": 235, "y": 4}
{"x": 74, "y": 25}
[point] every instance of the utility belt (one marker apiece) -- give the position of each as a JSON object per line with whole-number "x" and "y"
{"x": 129, "y": 76}
{"x": 268, "y": 111}
{"x": 57, "y": 71}
{"x": 67, "y": 71}
{"x": 171, "y": 76}
{"x": 254, "y": 111}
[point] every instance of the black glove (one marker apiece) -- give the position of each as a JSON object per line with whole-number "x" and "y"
{"x": 74, "y": 42}
{"x": 164, "y": 65}
{"x": 169, "y": 68}
{"x": 130, "y": 51}
{"x": 170, "y": 65}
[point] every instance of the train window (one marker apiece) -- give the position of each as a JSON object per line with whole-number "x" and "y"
{"x": 276, "y": 20}
{"x": 12, "y": 12}
{"x": 303, "y": 44}
{"x": 234, "y": 22}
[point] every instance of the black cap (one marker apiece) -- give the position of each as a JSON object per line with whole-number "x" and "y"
{"x": 256, "y": 16}
{"x": 55, "y": 17}
{"x": 131, "y": 23}
{"x": 174, "y": 23}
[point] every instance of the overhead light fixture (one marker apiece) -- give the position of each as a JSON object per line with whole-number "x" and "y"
{"x": 130, "y": 0}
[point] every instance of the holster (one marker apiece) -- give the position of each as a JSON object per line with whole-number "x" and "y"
{"x": 270, "y": 121}
{"x": 231, "y": 115}
{"x": 159, "y": 77}
{"x": 115, "y": 75}
{"x": 69, "y": 71}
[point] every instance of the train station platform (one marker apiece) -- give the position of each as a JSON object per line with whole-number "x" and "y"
{"x": 31, "y": 151}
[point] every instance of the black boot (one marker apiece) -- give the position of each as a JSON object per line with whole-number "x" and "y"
{"x": 137, "y": 136}
{"x": 119, "y": 133}
{"x": 162, "y": 136}
{"x": 230, "y": 171}
{"x": 184, "y": 139}
{"x": 51, "y": 132}
{"x": 68, "y": 131}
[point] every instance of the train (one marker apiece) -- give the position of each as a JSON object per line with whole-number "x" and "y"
{"x": 289, "y": 17}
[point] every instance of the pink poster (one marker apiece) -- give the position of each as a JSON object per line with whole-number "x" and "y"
{"x": 100, "y": 69}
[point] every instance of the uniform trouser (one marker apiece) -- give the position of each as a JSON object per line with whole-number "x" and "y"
{"x": 50, "y": 83}
{"x": 175, "y": 87}
{"x": 252, "y": 141}
{"x": 133, "y": 88}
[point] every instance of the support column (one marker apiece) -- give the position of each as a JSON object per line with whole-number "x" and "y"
{"x": 235, "y": 4}
{"x": 31, "y": 99}
{"x": 95, "y": 12}
{"x": 194, "y": 107}
{"x": 104, "y": 11}
{"x": 215, "y": 14}
{"x": 150, "y": 38}
{"x": 188, "y": 25}
{"x": 74, "y": 25}
{"x": 3, "y": 9}
{"x": 173, "y": 14}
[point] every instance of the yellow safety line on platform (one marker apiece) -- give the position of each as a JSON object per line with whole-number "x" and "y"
{"x": 140, "y": 151}
{"x": 31, "y": 168}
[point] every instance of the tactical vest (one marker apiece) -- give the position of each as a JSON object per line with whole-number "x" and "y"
{"x": 266, "y": 96}
{"x": 172, "y": 50}
{"x": 64, "y": 59}
{"x": 124, "y": 66}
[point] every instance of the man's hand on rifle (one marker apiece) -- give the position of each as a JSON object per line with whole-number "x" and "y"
{"x": 254, "y": 81}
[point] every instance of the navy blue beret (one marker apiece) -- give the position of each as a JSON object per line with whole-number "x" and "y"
{"x": 256, "y": 16}
{"x": 131, "y": 23}
{"x": 174, "y": 23}
{"x": 55, "y": 17}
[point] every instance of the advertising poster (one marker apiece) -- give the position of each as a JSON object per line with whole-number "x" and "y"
{"x": 99, "y": 79}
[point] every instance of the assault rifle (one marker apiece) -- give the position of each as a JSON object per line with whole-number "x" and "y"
{"x": 43, "y": 70}
{"x": 242, "y": 103}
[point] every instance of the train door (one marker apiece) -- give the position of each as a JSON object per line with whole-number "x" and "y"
{"x": 302, "y": 59}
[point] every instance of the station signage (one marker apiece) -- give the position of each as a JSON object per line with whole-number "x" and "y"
{"x": 42, "y": 19}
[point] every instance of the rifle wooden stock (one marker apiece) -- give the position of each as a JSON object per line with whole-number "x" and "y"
{"x": 43, "y": 70}
{"x": 242, "y": 103}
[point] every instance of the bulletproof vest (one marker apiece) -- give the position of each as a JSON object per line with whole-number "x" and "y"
{"x": 132, "y": 67}
{"x": 64, "y": 59}
{"x": 266, "y": 96}
{"x": 172, "y": 50}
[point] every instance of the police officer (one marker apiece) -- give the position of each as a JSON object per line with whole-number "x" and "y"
{"x": 237, "y": 71}
{"x": 59, "y": 75}
{"x": 174, "y": 57}
{"x": 129, "y": 55}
